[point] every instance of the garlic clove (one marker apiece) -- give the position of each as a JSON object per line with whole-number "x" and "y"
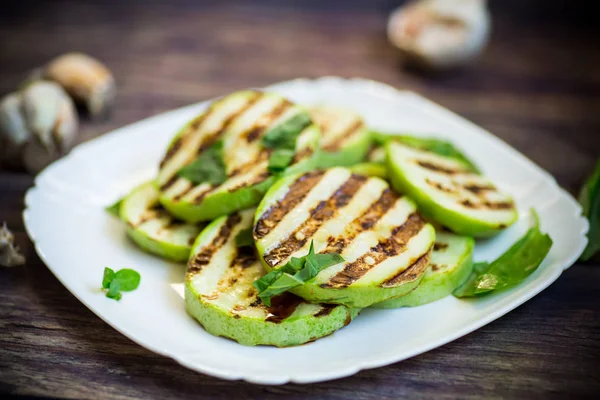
{"x": 52, "y": 120}
{"x": 440, "y": 34}
{"x": 13, "y": 129}
{"x": 9, "y": 253}
{"x": 86, "y": 79}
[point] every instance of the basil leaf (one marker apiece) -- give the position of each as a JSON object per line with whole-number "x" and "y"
{"x": 589, "y": 198}
{"x": 115, "y": 208}
{"x": 512, "y": 267}
{"x": 113, "y": 290}
{"x": 294, "y": 273}
{"x": 208, "y": 167}
{"x": 128, "y": 279}
{"x": 108, "y": 277}
{"x": 244, "y": 238}
{"x": 284, "y": 135}
{"x": 280, "y": 159}
{"x": 437, "y": 146}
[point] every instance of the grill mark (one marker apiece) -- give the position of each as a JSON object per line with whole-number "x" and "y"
{"x": 339, "y": 141}
{"x": 386, "y": 248}
{"x": 439, "y": 168}
{"x": 257, "y": 179}
{"x": 245, "y": 257}
{"x": 282, "y": 306}
{"x": 503, "y": 205}
{"x": 325, "y": 210}
{"x": 182, "y": 194}
{"x": 435, "y": 267}
{"x": 437, "y": 246}
{"x": 264, "y": 121}
{"x": 365, "y": 221}
{"x": 411, "y": 273}
{"x": 169, "y": 183}
{"x": 296, "y": 193}
{"x": 476, "y": 189}
{"x": 301, "y": 155}
{"x": 171, "y": 151}
{"x": 325, "y": 310}
{"x": 439, "y": 186}
{"x": 198, "y": 199}
{"x": 203, "y": 258}
{"x": 262, "y": 156}
{"x": 210, "y": 140}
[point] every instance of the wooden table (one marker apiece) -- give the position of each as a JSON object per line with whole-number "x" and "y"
{"x": 537, "y": 87}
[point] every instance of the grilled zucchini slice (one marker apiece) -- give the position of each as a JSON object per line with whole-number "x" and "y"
{"x": 220, "y": 295}
{"x": 345, "y": 139}
{"x": 448, "y": 191}
{"x": 385, "y": 242}
{"x": 153, "y": 229}
{"x": 240, "y": 121}
{"x": 451, "y": 264}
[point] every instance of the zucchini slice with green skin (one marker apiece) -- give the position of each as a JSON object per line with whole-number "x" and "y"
{"x": 219, "y": 293}
{"x": 240, "y": 121}
{"x": 153, "y": 229}
{"x": 449, "y": 192}
{"x": 384, "y": 241}
{"x": 370, "y": 169}
{"x": 345, "y": 139}
{"x": 451, "y": 264}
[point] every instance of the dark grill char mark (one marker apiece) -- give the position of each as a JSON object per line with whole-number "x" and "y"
{"x": 366, "y": 221}
{"x": 475, "y": 189}
{"x": 439, "y": 168}
{"x": 245, "y": 257}
{"x": 265, "y": 121}
{"x": 324, "y": 211}
{"x": 174, "y": 148}
{"x": 169, "y": 183}
{"x": 325, "y": 310}
{"x": 295, "y": 194}
{"x": 411, "y": 273}
{"x": 203, "y": 258}
{"x": 194, "y": 125}
{"x": 439, "y": 186}
{"x": 342, "y": 138}
{"x": 386, "y": 248}
{"x": 282, "y": 306}
{"x": 503, "y": 205}
{"x": 437, "y": 246}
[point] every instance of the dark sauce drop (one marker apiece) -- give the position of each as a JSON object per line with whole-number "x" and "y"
{"x": 282, "y": 306}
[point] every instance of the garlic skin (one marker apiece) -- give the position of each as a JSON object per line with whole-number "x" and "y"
{"x": 439, "y": 34}
{"x": 9, "y": 253}
{"x": 38, "y": 125}
{"x": 13, "y": 130}
{"x": 86, "y": 79}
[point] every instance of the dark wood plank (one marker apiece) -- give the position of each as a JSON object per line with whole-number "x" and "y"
{"x": 537, "y": 87}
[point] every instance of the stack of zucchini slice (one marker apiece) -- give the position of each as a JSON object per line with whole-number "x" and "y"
{"x": 256, "y": 188}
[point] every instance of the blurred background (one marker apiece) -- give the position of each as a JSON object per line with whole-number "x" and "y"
{"x": 536, "y": 85}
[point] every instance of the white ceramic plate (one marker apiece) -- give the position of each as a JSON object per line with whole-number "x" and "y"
{"x": 76, "y": 238}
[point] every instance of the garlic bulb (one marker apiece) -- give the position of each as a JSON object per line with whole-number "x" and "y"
{"x": 38, "y": 125}
{"x": 9, "y": 253}
{"x": 86, "y": 79}
{"x": 440, "y": 34}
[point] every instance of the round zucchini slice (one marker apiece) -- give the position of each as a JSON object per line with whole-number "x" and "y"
{"x": 345, "y": 139}
{"x": 384, "y": 241}
{"x": 451, "y": 264}
{"x": 220, "y": 295}
{"x": 153, "y": 229}
{"x": 237, "y": 123}
{"x": 449, "y": 192}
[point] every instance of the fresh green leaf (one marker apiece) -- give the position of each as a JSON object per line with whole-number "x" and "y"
{"x": 244, "y": 238}
{"x": 589, "y": 197}
{"x": 114, "y": 290}
{"x": 208, "y": 167}
{"x": 284, "y": 135}
{"x": 115, "y": 208}
{"x": 437, "y": 146}
{"x": 128, "y": 279}
{"x": 512, "y": 267}
{"x": 108, "y": 277}
{"x": 294, "y": 273}
{"x": 280, "y": 159}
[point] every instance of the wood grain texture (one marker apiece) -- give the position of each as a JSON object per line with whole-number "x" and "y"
{"x": 537, "y": 87}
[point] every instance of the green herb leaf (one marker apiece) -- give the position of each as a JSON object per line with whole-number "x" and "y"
{"x": 244, "y": 238}
{"x": 284, "y": 135}
{"x": 115, "y": 208}
{"x": 128, "y": 279}
{"x": 124, "y": 280}
{"x": 437, "y": 146}
{"x": 280, "y": 159}
{"x": 294, "y": 273}
{"x": 208, "y": 167}
{"x": 589, "y": 197}
{"x": 108, "y": 277}
{"x": 512, "y": 267}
